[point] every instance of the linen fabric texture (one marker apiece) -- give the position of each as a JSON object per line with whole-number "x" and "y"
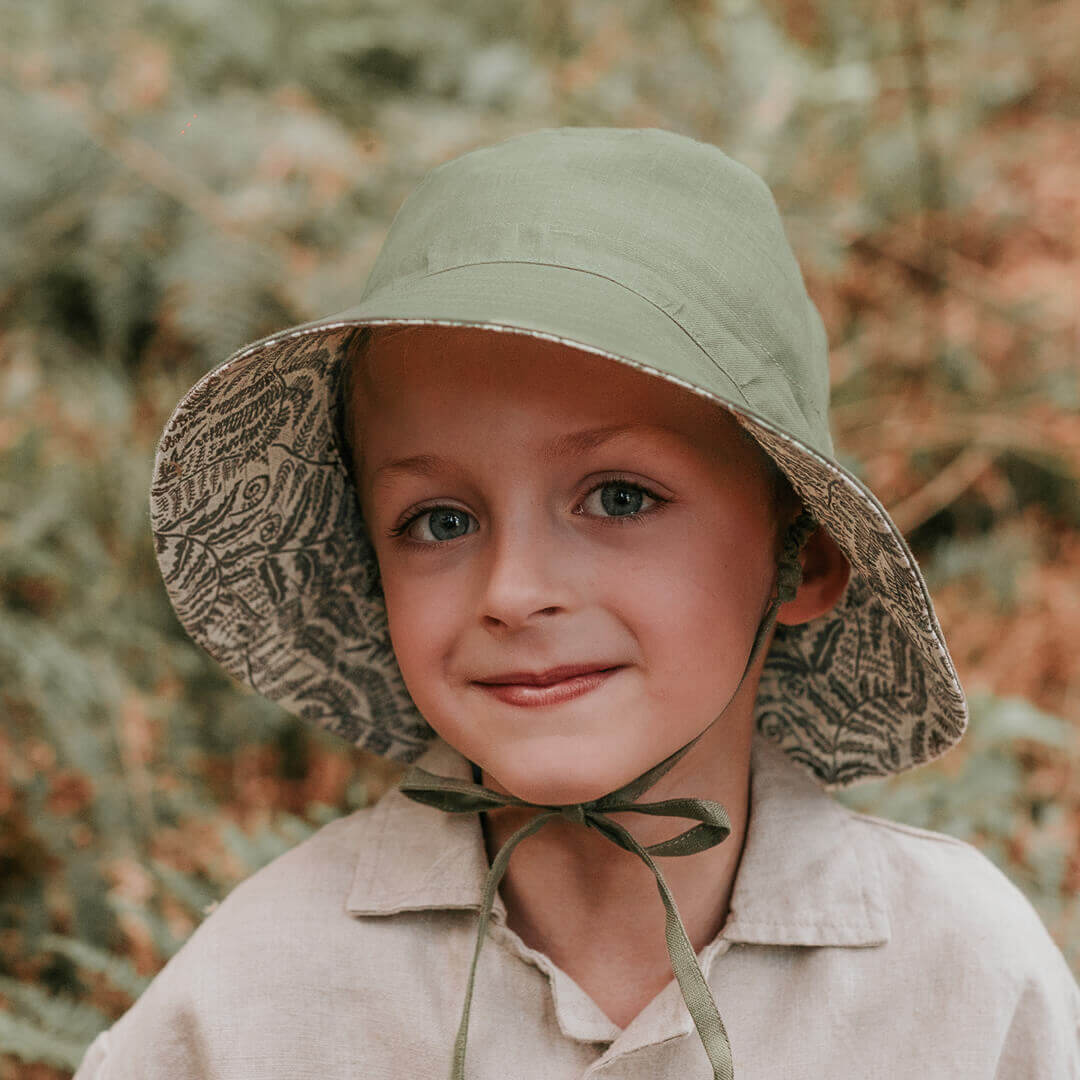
{"x": 855, "y": 948}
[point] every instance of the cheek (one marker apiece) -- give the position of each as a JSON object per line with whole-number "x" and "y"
{"x": 698, "y": 613}
{"x": 416, "y": 651}
{"x": 406, "y": 608}
{"x": 423, "y": 620}
{"x": 701, "y": 577}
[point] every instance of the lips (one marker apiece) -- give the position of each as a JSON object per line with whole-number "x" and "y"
{"x": 545, "y": 678}
{"x": 549, "y": 694}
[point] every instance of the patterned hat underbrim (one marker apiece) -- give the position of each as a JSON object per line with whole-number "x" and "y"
{"x": 269, "y": 568}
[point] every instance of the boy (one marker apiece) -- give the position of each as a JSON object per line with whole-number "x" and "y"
{"x": 410, "y": 538}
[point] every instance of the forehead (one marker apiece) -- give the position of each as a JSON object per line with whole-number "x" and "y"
{"x": 462, "y": 374}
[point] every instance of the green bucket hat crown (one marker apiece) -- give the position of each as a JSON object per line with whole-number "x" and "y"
{"x": 642, "y": 245}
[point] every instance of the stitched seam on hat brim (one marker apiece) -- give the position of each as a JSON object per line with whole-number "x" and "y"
{"x": 950, "y": 686}
{"x": 556, "y": 337}
{"x": 749, "y": 345}
{"x": 852, "y": 481}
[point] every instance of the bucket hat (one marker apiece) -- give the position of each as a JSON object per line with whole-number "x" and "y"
{"x": 645, "y": 246}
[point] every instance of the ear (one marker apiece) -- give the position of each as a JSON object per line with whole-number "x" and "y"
{"x": 826, "y": 571}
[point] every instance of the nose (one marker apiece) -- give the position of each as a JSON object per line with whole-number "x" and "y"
{"x": 528, "y": 569}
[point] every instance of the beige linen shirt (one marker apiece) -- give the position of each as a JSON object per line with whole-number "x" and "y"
{"x": 855, "y": 948}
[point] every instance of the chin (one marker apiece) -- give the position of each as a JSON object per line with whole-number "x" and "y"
{"x": 559, "y": 785}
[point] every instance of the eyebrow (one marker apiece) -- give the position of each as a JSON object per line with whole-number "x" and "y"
{"x": 574, "y": 443}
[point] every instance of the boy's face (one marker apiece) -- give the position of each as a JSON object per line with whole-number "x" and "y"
{"x": 531, "y": 563}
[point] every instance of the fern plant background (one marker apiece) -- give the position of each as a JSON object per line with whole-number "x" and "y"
{"x": 179, "y": 177}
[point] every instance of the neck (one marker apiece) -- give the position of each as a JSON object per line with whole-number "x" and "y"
{"x": 593, "y": 907}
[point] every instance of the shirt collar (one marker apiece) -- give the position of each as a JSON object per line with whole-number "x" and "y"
{"x": 808, "y": 875}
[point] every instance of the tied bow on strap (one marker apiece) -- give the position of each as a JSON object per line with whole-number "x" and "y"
{"x": 461, "y": 796}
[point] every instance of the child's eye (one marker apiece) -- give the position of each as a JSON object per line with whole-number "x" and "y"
{"x": 446, "y": 522}
{"x": 443, "y": 518}
{"x": 627, "y": 498}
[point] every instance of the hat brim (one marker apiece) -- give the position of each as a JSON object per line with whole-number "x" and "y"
{"x": 267, "y": 563}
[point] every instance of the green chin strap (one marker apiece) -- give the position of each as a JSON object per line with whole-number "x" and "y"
{"x": 462, "y": 797}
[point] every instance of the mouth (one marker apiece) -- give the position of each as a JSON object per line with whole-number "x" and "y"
{"x": 546, "y": 678}
{"x": 549, "y": 693}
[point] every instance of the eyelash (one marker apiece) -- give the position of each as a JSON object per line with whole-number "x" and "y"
{"x": 637, "y": 519}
